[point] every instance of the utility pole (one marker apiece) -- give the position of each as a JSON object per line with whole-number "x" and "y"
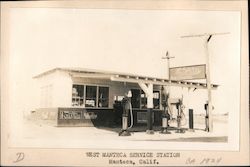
{"x": 167, "y": 88}
{"x": 168, "y": 61}
{"x": 207, "y": 37}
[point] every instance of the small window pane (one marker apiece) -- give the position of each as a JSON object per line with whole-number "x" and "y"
{"x": 156, "y": 100}
{"x": 77, "y": 95}
{"x": 103, "y": 100}
{"x": 90, "y": 96}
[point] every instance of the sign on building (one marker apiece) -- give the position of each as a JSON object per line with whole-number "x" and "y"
{"x": 188, "y": 72}
{"x": 76, "y": 115}
{"x": 142, "y": 117}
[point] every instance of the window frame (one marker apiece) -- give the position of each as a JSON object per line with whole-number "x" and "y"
{"x": 108, "y": 99}
{"x": 154, "y": 91}
{"x": 85, "y": 91}
{"x": 96, "y": 95}
{"x": 139, "y": 100}
{"x": 108, "y": 86}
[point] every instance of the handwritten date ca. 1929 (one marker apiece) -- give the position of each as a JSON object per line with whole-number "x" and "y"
{"x": 203, "y": 161}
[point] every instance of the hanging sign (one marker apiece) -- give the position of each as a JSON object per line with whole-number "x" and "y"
{"x": 188, "y": 72}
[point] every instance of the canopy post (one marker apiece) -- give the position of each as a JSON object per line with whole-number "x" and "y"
{"x": 148, "y": 89}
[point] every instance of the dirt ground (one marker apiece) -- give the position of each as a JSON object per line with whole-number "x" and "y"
{"x": 45, "y": 134}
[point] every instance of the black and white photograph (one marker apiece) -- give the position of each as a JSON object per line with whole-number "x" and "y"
{"x": 143, "y": 83}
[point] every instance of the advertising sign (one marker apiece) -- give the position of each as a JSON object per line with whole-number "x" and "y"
{"x": 188, "y": 72}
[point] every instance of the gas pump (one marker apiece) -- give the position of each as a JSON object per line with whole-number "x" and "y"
{"x": 207, "y": 117}
{"x": 179, "y": 106}
{"x": 165, "y": 115}
{"x": 127, "y": 107}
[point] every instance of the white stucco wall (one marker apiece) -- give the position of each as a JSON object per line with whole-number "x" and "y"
{"x": 42, "y": 92}
{"x": 63, "y": 89}
{"x": 54, "y": 90}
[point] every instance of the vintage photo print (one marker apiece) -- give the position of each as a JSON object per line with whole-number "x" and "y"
{"x": 133, "y": 83}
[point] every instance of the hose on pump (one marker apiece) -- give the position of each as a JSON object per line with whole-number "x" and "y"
{"x": 131, "y": 116}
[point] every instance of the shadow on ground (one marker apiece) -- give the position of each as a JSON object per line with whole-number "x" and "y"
{"x": 222, "y": 139}
{"x": 134, "y": 129}
{"x": 142, "y": 128}
{"x": 218, "y": 139}
{"x": 157, "y": 129}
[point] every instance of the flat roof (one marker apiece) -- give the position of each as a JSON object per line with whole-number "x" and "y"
{"x": 81, "y": 71}
{"x": 126, "y": 77}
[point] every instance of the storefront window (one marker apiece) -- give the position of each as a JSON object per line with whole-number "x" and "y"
{"x": 90, "y": 96}
{"x": 143, "y": 100}
{"x": 103, "y": 99}
{"x": 77, "y": 95}
{"x": 135, "y": 99}
{"x": 156, "y": 100}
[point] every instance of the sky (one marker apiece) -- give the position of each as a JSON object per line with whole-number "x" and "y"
{"x": 131, "y": 41}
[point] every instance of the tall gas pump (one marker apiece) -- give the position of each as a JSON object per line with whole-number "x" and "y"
{"x": 127, "y": 107}
{"x": 206, "y": 117}
{"x": 165, "y": 114}
{"x": 179, "y": 107}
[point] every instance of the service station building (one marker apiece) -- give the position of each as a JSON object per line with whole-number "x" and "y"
{"x": 82, "y": 97}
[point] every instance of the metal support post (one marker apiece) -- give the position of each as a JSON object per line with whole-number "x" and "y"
{"x": 191, "y": 120}
{"x": 150, "y": 105}
{"x": 148, "y": 89}
{"x": 150, "y": 121}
